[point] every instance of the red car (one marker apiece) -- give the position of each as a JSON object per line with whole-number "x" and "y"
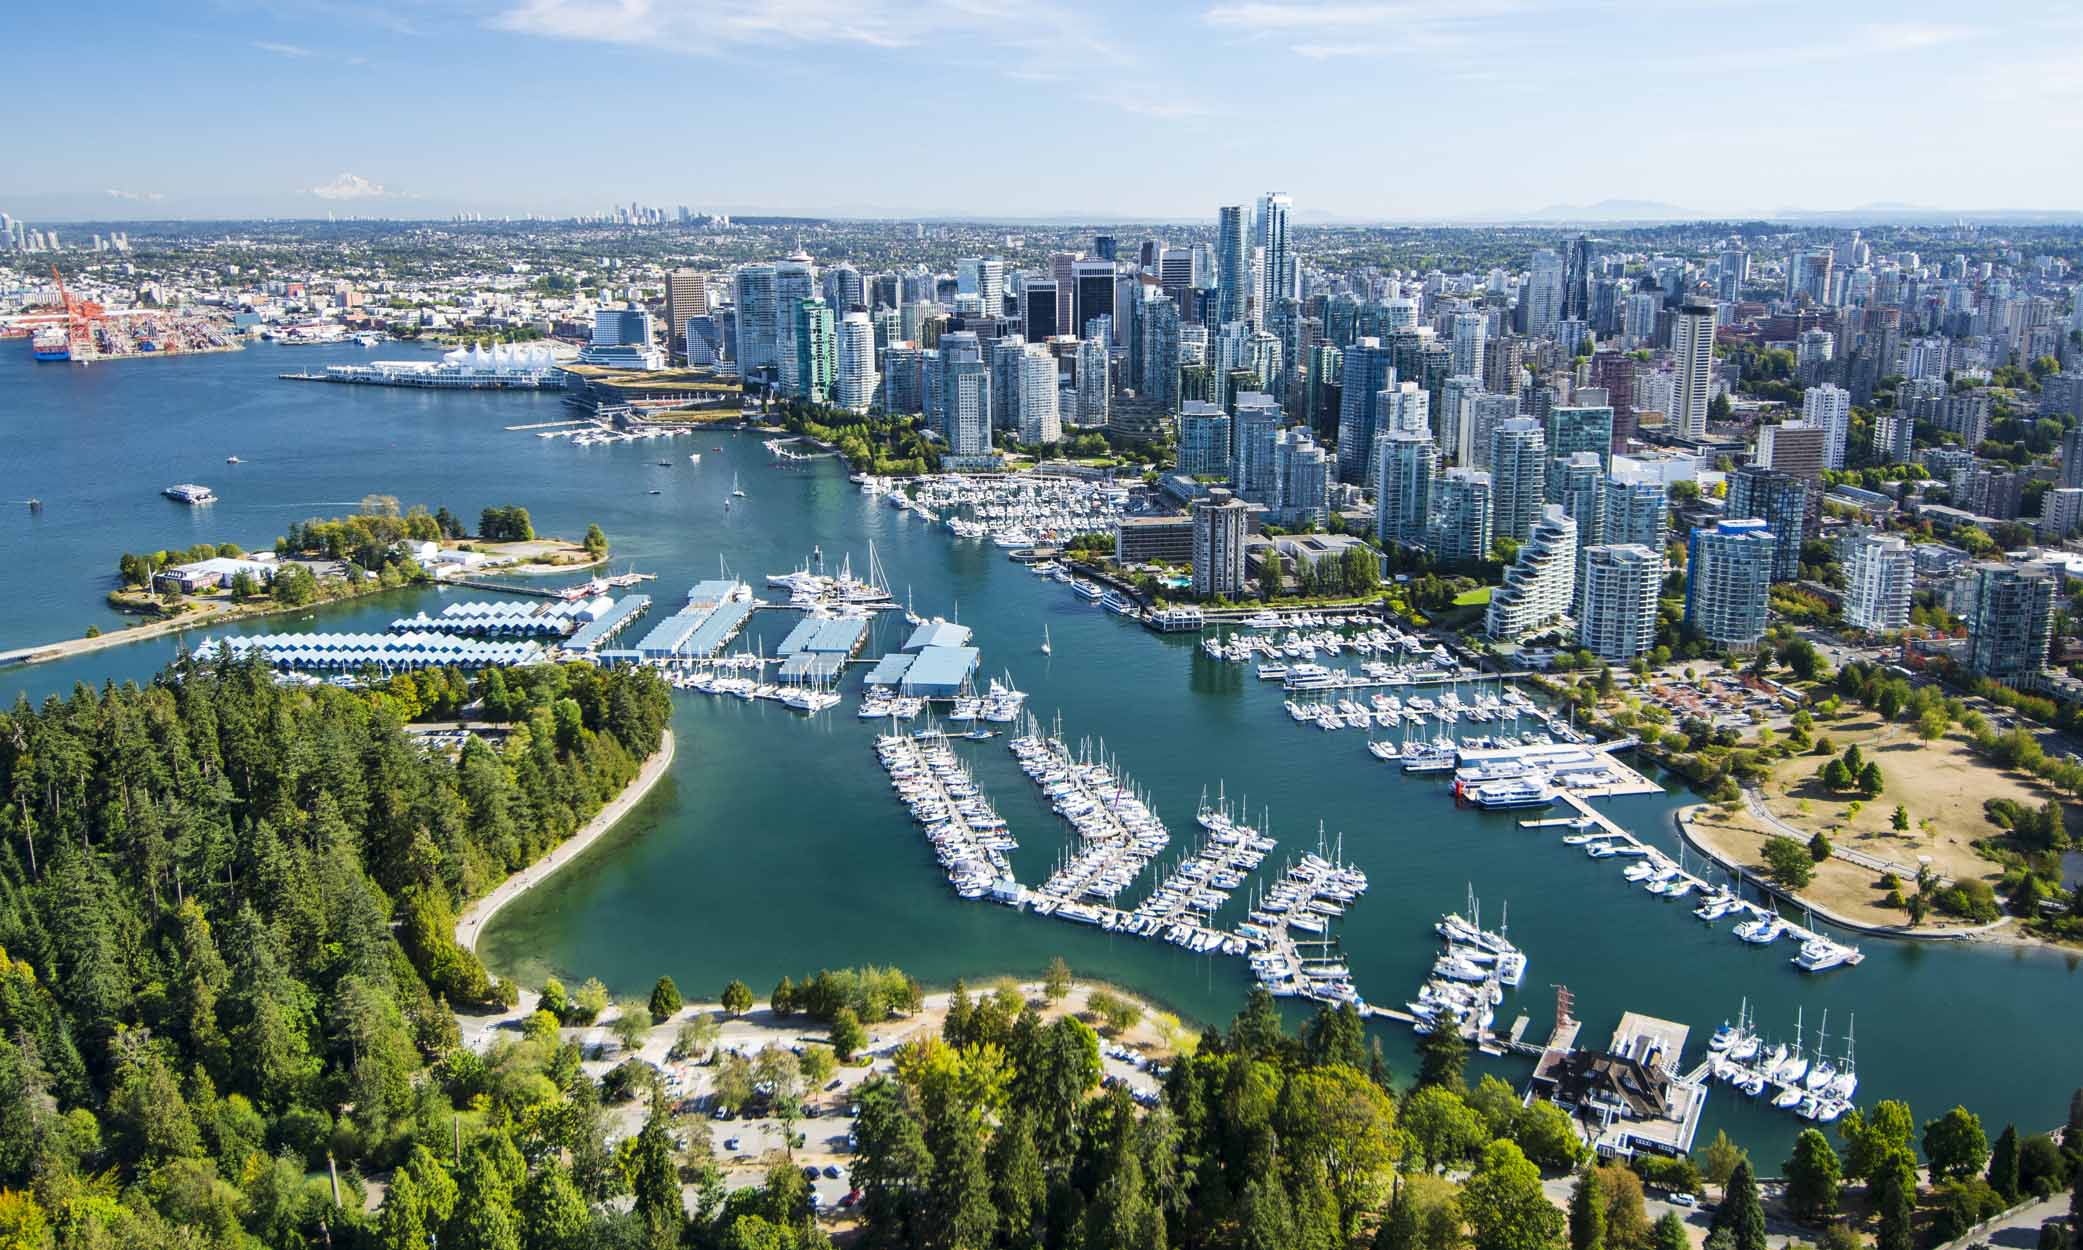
{"x": 852, "y": 1196}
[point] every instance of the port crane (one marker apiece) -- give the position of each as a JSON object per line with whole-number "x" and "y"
{"x": 80, "y": 316}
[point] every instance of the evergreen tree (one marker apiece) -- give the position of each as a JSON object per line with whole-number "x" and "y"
{"x": 1442, "y": 1056}
{"x": 1018, "y": 1187}
{"x": 1812, "y": 1177}
{"x": 955, "y": 1029}
{"x": 1399, "y": 1224}
{"x": 1587, "y": 1213}
{"x": 665, "y": 1000}
{"x": 1669, "y": 1233}
{"x": 1740, "y": 1213}
{"x": 2003, "y": 1164}
{"x": 1897, "y": 1231}
{"x": 655, "y": 1180}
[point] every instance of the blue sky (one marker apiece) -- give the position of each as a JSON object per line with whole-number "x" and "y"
{"x": 1402, "y": 109}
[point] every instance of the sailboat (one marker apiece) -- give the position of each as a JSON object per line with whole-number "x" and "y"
{"x": 1045, "y": 641}
{"x": 737, "y": 491}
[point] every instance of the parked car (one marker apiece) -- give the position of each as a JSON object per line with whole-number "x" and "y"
{"x": 730, "y": 1144}
{"x": 1685, "y": 1200}
{"x": 832, "y": 1171}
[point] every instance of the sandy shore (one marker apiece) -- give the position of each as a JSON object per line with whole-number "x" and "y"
{"x": 474, "y": 918}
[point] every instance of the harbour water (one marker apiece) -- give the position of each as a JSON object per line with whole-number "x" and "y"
{"x": 775, "y": 845}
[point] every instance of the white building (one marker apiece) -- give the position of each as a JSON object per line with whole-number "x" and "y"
{"x": 1830, "y": 407}
{"x": 1692, "y": 344}
{"x": 1539, "y": 584}
{"x": 1040, "y": 422}
{"x": 2061, "y": 511}
{"x": 855, "y": 387}
{"x": 1879, "y": 577}
{"x": 1518, "y": 472}
{"x": 1618, "y": 619}
{"x": 1220, "y": 523}
{"x": 1405, "y": 462}
{"x": 1458, "y": 531}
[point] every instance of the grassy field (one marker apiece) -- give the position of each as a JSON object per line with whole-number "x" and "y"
{"x": 1941, "y": 784}
{"x": 1473, "y": 598}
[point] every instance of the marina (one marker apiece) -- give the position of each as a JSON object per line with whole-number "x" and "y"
{"x": 1179, "y": 720}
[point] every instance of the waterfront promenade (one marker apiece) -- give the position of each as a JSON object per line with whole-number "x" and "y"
{"x": 476, "y": 916}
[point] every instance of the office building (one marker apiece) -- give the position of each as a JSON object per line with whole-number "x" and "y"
{"x": 1406, "y": 461}
{"x": 1458, "y": 531}
{"x": 1616, "y": 616}
{"x": 1879, "y": 577}
{"x": 1830, "y": 408}
{"x": 1728, "y": 581}
{"x": 1778, "y": 499}
{"x": 686, "y": 295}
{"x": 1204, "y": 440}
{"x": 622, "y": 340}
{"x": 1093, "y": 298}
{"x": 1518, "y": 471}
{"x": 856, "y": 351}
{"x": 1220, "y": 523}
{"x": 1038, "y": 303}
{"x": 1692, "y": 343}
{"x": 2012, "y": 626}
{"x": 1302, "y": 480}
{"x": 1539, "y": 584}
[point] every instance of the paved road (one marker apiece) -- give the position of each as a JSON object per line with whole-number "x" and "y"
{"x": 2017, "y": 1229}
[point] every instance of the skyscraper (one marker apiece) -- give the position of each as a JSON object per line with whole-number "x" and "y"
{"x": 1728, "y": 580}
{"x": 1302, "y": 479}
{"x": 1578, "y": 484}
{"x": 965, "y": 380}
{"x": 1518, "y": 472}
{"x": 1095, "y": 382}
{"x": 983, "y": 277}
{"x": 817, "y": 351}
{"x": 1638, "y": 511}
{"x": 1405, "y": 462}
{"x": 1220, "y": 523}
{"x": 1277, "y": 263}
{"x": 1829, "y": 407}
{"x": 1542, "y": 296}
{"x": 686, "y": 295}
{"x": 1471, "y": 330}
{"x": 2013, "y": 625}
{"x": 1781, "y": 501}
{"x": 1040, "y": 422}
{"x": 1539, "y": 584}
{"x": 1365, "y": 372}
{"x": 1878, "y": 580}
{"x": 1093, "y": 296}
{"x": 1616, "y": 617}
{"x": 758, "y": 319}
{"x": 1458, "y": 531}
{"x": 1575, "y": 429}
{"x": 1692, "y": 343}
{"x": 1255, "y": 427}
{"x": 1038, "y": 309}
{"x": 1233, "y": 269}
{"x": 1204, "y": 440}
{"x": 1157, "y": 378}
{"x": 857, "y": 378}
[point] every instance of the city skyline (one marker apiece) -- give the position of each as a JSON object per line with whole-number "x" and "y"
{"x": 396, "y": 110}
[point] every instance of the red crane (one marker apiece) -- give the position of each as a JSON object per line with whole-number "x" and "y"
{"x": 80, "y": 316}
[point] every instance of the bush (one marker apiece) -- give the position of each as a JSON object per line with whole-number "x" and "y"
{"x": 1672, "y": 1175}
{"x": 1818, "y": 848}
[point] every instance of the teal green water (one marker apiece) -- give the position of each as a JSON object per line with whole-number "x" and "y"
{"x": 775, "y": 847}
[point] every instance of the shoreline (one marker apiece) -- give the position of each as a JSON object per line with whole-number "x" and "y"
{"x": 1682, "y": 821}
{"x": 215, "y": 614}
{"x": 471, "y": 924}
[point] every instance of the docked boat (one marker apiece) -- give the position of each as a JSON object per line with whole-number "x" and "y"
{"x": 1820, "y": 954}
{"x": 1761, "y": 930}
{"x": 1509, "y": 795}
{"x": 1115, "y": 601}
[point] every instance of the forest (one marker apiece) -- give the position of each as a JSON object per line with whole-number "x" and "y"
{"x": 226, "y": 938}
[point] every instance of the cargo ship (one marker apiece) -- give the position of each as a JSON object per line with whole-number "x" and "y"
{"x": 51, "y": 343}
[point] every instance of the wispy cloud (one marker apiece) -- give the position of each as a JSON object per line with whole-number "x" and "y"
{"x": 349, "y": 187}
{"x": 283, "y": 49}
{"x": 716, "y": 25}
{"x": 114, "y": 194}
{"x": 1273, "y": 15}
{"x": 1909, "y": 36}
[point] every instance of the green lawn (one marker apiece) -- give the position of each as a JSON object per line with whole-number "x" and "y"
{"x": 1473, "y": 598}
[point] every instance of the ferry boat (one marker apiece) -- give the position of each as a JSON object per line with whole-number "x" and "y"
{"x": 190, "y": 493}
{"x": 1088, "y": 590}
{"x": 1115, "y": 601}
{"x": 1503, "y": 795}
{"x": 50, "y": 343}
